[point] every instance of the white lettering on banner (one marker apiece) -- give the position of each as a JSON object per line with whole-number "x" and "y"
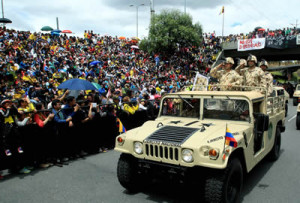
{"x": 298, "y": 40}
{"x": 251, "y": 44}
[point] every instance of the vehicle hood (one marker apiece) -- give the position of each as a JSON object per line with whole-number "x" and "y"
{"x": 205, "y": 132}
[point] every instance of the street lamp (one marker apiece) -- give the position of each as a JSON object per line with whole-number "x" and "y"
{"x": 4, "y": 20}
{"x": 137, "y": 18}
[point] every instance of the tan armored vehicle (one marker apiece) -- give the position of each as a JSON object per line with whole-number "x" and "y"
{"x": 188, "y": 141}
{"x": 298, "y": 117}
{"x": 278, "y": 91}
{"x": 296, "y": 95}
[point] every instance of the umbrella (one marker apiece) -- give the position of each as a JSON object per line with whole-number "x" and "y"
{"x": 94, "y": 63}
{"x": 58, "y": 31}
{"x": 122, "y": 37}
{"x": 5, "y": 20}
{"x": 135, "y": 38}
{"x": 257, "y": 28}
{"x": 47, "y": 28}
{"x": 67, "y": 31}
{"x": 96, "y": 85}
{"x": 77, "y": 84}
{"x": 134, "y": 47}
{"x": 261, "y": 29}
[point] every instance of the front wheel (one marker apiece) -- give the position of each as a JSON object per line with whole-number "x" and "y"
{"x": 275, "y": 152}
{"x": 225, "y": 185}
{"x": 127, "y": 173}
{"x": 298, "y": 121}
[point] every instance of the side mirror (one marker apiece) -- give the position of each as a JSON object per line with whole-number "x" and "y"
{"x": 262, "y": 121}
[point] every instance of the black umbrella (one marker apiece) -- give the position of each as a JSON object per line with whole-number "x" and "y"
{"x": 5, "y": 20}
{"x": 257, "y": 28}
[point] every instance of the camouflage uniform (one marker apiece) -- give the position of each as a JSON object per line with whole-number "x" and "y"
{"x": 226, "y": 78}
{"x": 252, "y": 77}
{"x": 267, "y": 82}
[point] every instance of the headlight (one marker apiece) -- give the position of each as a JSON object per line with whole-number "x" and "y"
{"x": 187, "y": 155}
{"x": 138, "y": 147}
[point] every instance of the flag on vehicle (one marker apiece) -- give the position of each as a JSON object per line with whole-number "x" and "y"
{"x": 229, "y": 139}
{"x": 121, "y": 126}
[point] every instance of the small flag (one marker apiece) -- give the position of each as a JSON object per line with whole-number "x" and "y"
{"x": 121, "y": 126}
{"x": 229, "y": 139}
{"x": 222, "y": 11}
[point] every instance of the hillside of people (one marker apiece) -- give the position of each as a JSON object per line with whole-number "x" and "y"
{"x": 129, "y": 83}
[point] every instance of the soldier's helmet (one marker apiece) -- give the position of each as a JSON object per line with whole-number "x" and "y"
{"x": 252, "y": 58}
{"x": 229, "y": 60}
{"x": 263, "y": 63}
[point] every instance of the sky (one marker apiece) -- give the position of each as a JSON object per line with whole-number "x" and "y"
{"x": 117, "y": 18}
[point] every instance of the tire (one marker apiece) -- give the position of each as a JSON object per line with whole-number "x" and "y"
{"x": 298, "y": 121}
{"x": 225, "y": 185}
{"x": 286, "y": 109}
{"x": 295, "y": 101}
{"x": 275, "y": 152}
{"x": 128, "y": 174}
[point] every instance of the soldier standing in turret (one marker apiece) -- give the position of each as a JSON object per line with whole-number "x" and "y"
{"x": 252, "y": 75}
{"x": 267, "y": 79}
{"x": 227, "y": 77}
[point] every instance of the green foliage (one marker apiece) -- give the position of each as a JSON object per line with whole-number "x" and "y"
{"x": 171, "y": 30}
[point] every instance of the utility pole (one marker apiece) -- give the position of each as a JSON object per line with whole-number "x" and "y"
{"x": 151, "y": 9}
{"x": 57, "y": 24}
{"x": 184, "y": 6}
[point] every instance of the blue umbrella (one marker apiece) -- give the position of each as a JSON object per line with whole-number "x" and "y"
{"x": 58, "y": 31}
{"x": 94, "y": 63}
{"x": 77, "y": 84}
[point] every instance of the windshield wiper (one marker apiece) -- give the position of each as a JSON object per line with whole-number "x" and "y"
{"x": 186, "y": 101}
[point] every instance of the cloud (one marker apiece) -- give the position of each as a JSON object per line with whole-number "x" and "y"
{"x": 115, "y": 17}
{"x": 236, "y": 24}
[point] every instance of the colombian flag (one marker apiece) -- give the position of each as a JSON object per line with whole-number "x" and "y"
{"x": 229, "y": 139}
{"x": 222, "y": 11}
{"x": 121, "y": 126}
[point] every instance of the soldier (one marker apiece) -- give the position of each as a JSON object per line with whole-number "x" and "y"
{"x": 267, "y": 79}
{"x": 252, "y": 75}
{"x": 227, "y": 77}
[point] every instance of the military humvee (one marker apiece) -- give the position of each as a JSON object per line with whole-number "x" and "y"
{"x": 188, "y": 138}
{"x": 296, "y": 95}
{"x": 278, "y": 91}
{"x": 298, "y": 117}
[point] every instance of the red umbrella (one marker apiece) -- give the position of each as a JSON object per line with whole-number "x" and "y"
{"x": 261, "y": 29}
{"x": 67, "y": 31}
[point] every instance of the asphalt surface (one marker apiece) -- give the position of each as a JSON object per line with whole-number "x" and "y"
{"x": 94, "y": 179}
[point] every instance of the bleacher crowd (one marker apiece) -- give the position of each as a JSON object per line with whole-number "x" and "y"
{"x": 42, "y": 125}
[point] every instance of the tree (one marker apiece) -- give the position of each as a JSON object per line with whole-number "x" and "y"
{"x": 171, "y": 30}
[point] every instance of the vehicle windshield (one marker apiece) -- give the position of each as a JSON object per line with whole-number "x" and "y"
{"x": 181, "y": 107}
{"x": 226, "y": 109}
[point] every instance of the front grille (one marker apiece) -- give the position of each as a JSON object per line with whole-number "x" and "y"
{"x": 163, "y": 152}
{"x": 172, "y": 134}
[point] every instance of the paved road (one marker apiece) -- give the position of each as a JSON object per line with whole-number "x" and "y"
{"x": 93, "y": 179}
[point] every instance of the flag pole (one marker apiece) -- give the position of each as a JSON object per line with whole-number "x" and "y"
{"x": 223, "y": 22}
{"x": 225, "y": 138}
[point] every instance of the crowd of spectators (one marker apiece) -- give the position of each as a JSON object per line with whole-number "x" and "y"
{"x": 262, "y": 33}
{"x": 42, "y": 125}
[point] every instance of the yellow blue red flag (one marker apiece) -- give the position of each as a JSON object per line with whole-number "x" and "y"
{"x": 121, "y": 126}
{"x": 222, "y": 11}
{"x": 229, "y": 139}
